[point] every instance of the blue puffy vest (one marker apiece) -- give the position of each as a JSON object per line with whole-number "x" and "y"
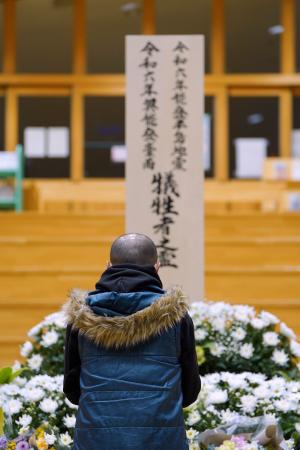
{"x": 130, "y": 397}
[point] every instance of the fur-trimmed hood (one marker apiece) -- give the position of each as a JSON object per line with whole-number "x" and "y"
{"x": 125, "y": 331}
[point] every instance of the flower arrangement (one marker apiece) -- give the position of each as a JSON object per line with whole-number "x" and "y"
{"x": 249, "y": 361}
{"x": 44, "y": 351}
{"x": 39, "y": 439}
{"x": 226, "y": 397}
{"x": 28, "y": 403}
{"x": 236, "y": 339}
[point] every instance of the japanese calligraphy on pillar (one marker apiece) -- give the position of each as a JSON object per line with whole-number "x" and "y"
{"x": 164, "y": 173}
{"x": 150, "y": 104}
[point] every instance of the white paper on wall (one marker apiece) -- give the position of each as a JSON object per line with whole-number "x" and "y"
{"x": 295, "y": 143}
{"x": 206, "y": 142}
{"x": 58, "y": 142}
{"x": 35, "y": 142}
{"x": 250, "y": 156}
{"x": 118, "y": 153}
{"x": 295, "y": 170}
{"x": 8, "y": 161}
{"x": 280, "y": 170}
{"x": 293, "y": 201}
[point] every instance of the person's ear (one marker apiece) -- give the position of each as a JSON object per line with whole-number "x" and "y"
{"x": 108, "y": 264}
{"x": 157, "y": 266}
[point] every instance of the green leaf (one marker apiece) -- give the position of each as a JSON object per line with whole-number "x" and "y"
{"x": 5, "y": 375}
{"x": 16, "y": 374}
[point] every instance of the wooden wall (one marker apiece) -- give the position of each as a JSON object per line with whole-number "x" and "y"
{"x": 250, "y": 257}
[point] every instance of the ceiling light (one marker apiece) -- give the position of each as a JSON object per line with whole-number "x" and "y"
{"x": 276, "y": 29}
{"x": 129, "y": 7}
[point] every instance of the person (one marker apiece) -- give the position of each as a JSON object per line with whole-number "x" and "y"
{"x": 130, "y": 359}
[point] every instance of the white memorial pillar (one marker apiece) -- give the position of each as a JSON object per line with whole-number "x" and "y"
{"x": 164, "y": 171}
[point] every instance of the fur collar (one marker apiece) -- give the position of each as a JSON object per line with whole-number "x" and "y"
{"x": 125, "y": 331}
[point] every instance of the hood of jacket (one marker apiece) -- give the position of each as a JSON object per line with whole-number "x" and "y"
{"x": 129, "y": 278}
{"x": 118, "y": 320}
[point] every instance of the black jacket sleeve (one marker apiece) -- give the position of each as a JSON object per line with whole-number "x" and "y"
{"x": 72, "y": 366}
{"x": 190, "y": 379}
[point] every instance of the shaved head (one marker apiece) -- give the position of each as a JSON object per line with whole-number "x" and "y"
{"x": 133, "y": 248}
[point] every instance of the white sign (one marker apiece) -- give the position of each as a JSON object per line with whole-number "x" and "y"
{"x": 250, "y": 157}
{"x": 296, "y": 143}
{"x": 35, "y": 142}
{"x": 164, "y": 172}
{"x": 295, "y": 169}
{"x": 8, "y": 161}
{"x": 58, "y": 142}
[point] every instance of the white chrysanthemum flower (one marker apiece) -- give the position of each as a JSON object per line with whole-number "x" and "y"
{"x": 65, "y": 439}
{"x": 58, "y": 319}
{"x": 244, "y": 313}
{"x": 256, "y": 378}
{"x": 49, "y": 438}
{"x": 277, "y": 385}
{"x": 248, "y": 403}
{"x": 48, "y": 405}
{"x": 26, "y": 349}
{"x": 24, "y": 420}
{"x": 49, "y": 338}
{"x": 212, "y": 378}
{"x": 35, "y": 330}
{"x": 261, "y": 392}
{"x": 286, "y": 331}
{"x": 257, "y": 323}
{"x": 295, "y": 348}
{"x": 269, "y": 318}
{"x": 217, "y": 396}
{"x": 237, "y": 381}
{"x": 19, "y": 381}
{"x": 14, "y": 406}
{"x": 191, "y": 433}
{"x": 217, "y": 349}
{"x": 61, "y": 321}
{"x": 33, "y": 394}
{"x": 200, "y": 334}
{"x": 35, "y": 362}
{"x": 194, "y": 446}
{"x": 283, "y": 405}
{"x": 219, "y": 324}
{"x": 290, "y": 443}
{"x": 280, "y": 357}
{"x": 193, "y": 418}
{"x": 11, "y": 389}
{"x": 246, "y": 351}
{"x": 239, "y": 334}
{"x": 70, "y": 421}
{"x": 270, "y": 339}
{"x": 294, "y": 387}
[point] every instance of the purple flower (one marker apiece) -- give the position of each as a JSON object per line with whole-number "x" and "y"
{"x": 3, "y": 442}
{"x": 22, "y": 445}
{"x": 239, "y": 441}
